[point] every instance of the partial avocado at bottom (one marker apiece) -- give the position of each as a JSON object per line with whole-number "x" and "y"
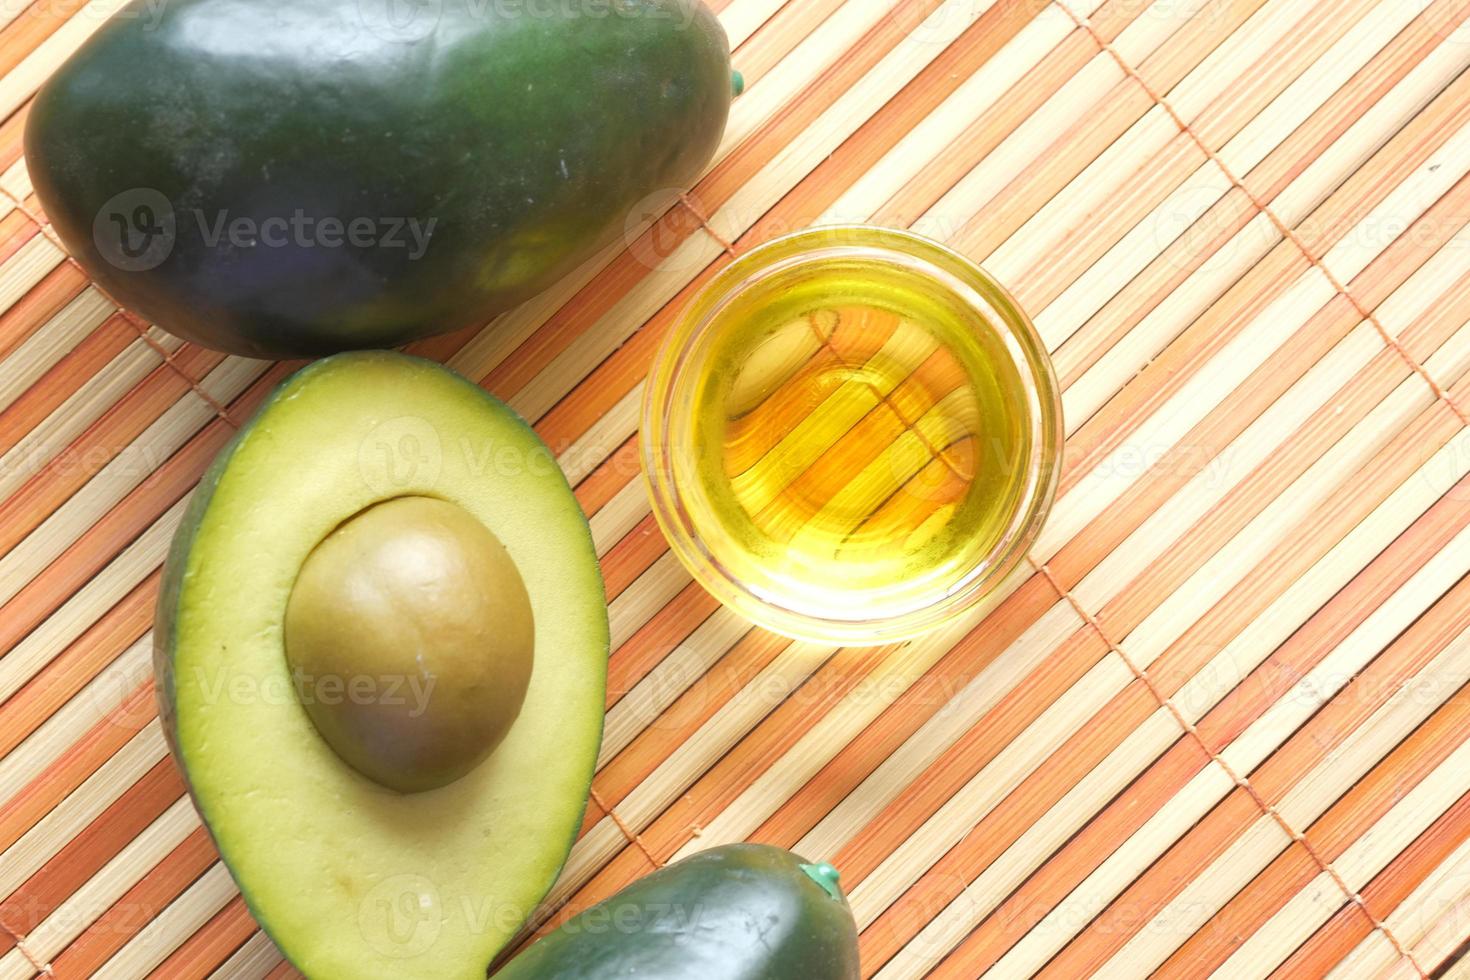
{"x": 738, "y": 912}
{"x": 396, "y": 796}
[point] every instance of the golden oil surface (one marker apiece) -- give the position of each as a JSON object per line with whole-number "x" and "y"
{"x": 859, "y": 439}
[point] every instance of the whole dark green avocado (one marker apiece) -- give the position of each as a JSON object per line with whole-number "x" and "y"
{"x": 738, "y": 912}
{"x": 281, "y": 178}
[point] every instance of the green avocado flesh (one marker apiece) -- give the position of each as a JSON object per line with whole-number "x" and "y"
{"x": 350, "y": 878}
{"x": 739, "y": 912}
{"x": 282, "y": 178}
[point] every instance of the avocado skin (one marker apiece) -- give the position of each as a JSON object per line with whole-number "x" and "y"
{"x": 526, "y": 131}
{"x": 738, "y": 912}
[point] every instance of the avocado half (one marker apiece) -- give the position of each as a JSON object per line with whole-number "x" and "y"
{"x": 349, "y": 877}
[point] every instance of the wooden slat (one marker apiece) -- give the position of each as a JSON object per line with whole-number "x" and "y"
{"x": 1239, "y": 226}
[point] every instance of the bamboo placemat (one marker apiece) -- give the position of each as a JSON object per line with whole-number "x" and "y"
{"x": 1219, "y": 720}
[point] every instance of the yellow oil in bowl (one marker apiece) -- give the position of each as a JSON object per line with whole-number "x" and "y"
{"x": 851, "y": 435}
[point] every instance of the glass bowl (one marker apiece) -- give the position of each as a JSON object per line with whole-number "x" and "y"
{"x": 851, "y": 435}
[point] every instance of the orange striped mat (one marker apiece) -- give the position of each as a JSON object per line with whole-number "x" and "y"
{"x": 1219, "y": 720}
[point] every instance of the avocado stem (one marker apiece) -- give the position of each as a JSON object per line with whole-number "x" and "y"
{"x": 827, "y": 876}
{"x": 737, "y": 83}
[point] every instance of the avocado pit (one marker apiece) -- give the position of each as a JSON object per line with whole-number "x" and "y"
{"x": 410, "y": 640}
